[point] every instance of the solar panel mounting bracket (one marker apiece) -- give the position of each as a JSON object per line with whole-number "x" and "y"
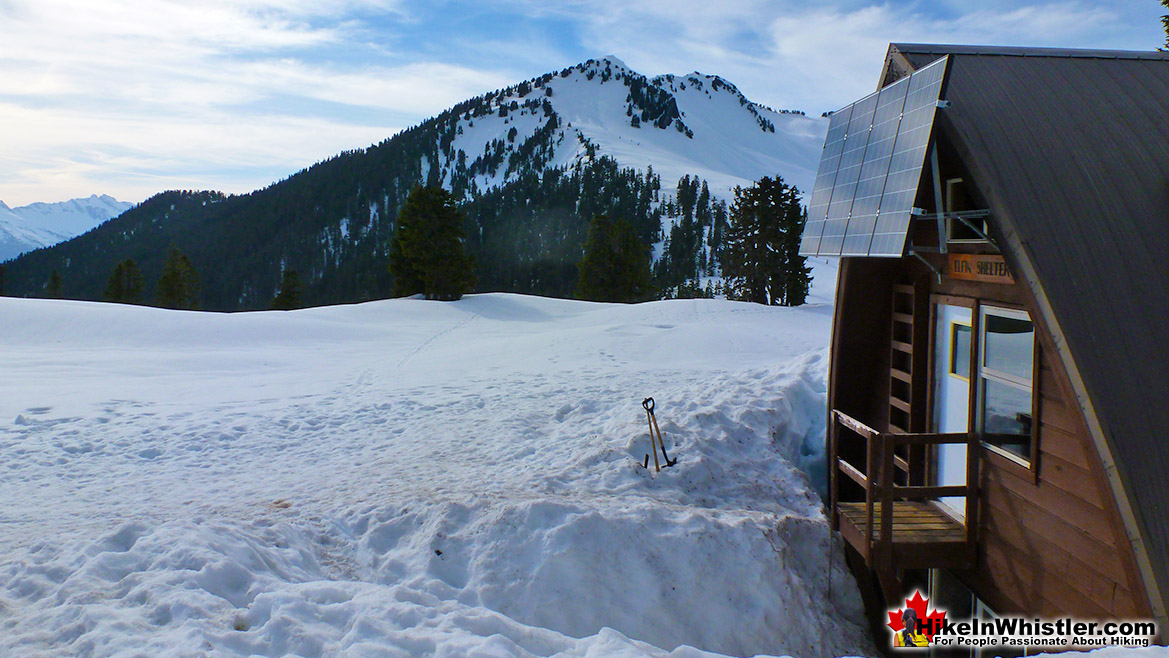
{"x": 928, "y": 264}
{"x": 982, "y": 234}
{"x": 936, "y": 170}
{"x": 964, "y": 216}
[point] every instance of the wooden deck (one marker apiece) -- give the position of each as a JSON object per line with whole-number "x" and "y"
{"x": 900, "y": 508}
{"x": 923, "y": 534}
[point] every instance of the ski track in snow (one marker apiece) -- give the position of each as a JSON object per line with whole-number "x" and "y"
{"x": 416, "y": 478}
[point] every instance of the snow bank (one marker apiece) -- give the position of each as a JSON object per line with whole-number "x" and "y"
{"x": 417, "y": 478}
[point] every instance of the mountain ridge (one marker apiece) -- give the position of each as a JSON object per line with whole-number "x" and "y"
{"x": 766, "y": 143}
{"x": 530, "y": 163}
{"x": 41, "y": 224}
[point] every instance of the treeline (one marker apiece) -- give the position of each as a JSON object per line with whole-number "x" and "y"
{"x": 527, "y": 236}
{"x": 757, "y": 252}
{"x": 177, "y": 286}
{"x": 698, "y": 224}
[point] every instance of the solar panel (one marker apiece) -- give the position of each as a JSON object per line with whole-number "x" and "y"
{"x": 851, "y": 159}
{"x": 825, "y": 180}
{"x": 875, "y": 170}
{"x": 908, "y": 160}
{"x": 871, "y": 168}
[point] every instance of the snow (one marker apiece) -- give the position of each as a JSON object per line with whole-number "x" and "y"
{"x": 405, "y": 478}
{"x": 417, "y": 478}
{"x": 44, "y": 224}
{"x": 728, "y": 147}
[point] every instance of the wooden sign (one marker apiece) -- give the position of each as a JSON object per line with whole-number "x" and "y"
{"x": 979, "y": 267}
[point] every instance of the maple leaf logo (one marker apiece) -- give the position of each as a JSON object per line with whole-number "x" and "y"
{"x": 930, "y": 624}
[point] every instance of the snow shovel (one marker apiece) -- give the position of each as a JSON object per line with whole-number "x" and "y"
{"x": 652, "y": 420}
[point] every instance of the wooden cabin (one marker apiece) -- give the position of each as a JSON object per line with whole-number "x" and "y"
{"x": 999, "y": 386}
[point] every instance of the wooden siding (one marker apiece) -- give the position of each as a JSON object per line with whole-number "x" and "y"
{"x": 1051, "y": 541}
{"x": 1053, "y": 545}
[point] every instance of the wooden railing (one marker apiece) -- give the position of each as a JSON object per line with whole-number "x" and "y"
{"x": 878, "y": 479}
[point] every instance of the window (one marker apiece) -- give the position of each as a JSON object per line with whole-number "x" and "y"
{"x": 952, "y": 595}
{"x": 949, "y": 593}
{"x": 957, "y": 199}
{"x": 1005, "y": 381}
{"x": 960, "y": 231}
{"x": 983, "y": 612}
{"x": 960, "y": 350}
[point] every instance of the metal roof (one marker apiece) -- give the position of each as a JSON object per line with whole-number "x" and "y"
{"x": 1071, "y": 151}
{"x": 923, "y": 53}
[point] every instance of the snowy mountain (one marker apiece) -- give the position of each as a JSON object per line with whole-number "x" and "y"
{"x": 693, "y": 124}
{"x": 44, "y": 224}
{"x": 531, "y": 165}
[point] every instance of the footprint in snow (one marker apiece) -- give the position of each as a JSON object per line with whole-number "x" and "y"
{"x": 563, "y": 412}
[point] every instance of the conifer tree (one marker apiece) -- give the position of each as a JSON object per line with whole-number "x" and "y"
{"x": 288, "y": 297}
{"x": 1, "y": 280}
{"x": 178, "y": 286}
{"x": 1165, "y": 24}
{"x": 760, "y": 256}
{"x": 125, "y": 283}
{"x": 797, "y": 272}
{"x": 615, "y": 267}
{"x": 428, "y": 253}
{"x": 54, "y": 290}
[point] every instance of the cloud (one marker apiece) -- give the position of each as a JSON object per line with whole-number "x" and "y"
{"x": 130, "y": 96}
{"x": 79, "y": 150}
{"x": 120, "y": 96}
{"x": 412, "y": 89}
{"x": 843, "y": 51}
{"x": 819, "y": 56}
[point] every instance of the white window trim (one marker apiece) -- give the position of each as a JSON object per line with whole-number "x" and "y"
{"x": 1002, "y": 378}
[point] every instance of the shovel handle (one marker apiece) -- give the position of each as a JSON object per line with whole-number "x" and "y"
{"x": 648, "y": 403}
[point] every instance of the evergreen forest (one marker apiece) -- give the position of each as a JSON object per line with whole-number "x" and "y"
{"x": 334, "y": 224}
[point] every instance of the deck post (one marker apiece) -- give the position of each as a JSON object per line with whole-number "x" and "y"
{"x": 888, "y": 447}
{"x": 870, "y": 466}
{"x": 833, "y": 470}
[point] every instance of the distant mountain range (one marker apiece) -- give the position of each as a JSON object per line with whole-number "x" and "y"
{"x": 44, "y": 224}
{"x": 530, "y": 164}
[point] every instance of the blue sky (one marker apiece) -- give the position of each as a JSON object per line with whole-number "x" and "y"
{"x": 131, "y": 97}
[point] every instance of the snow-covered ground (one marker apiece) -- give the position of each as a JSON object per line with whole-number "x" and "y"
{"x": 414, "y": 478}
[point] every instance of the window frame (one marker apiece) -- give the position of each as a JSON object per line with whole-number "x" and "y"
{"x": 983, "y": 373}
{"x": 952, "y": 369}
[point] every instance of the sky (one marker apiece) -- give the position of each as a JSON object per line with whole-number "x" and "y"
{"x": 133, "y": 97}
